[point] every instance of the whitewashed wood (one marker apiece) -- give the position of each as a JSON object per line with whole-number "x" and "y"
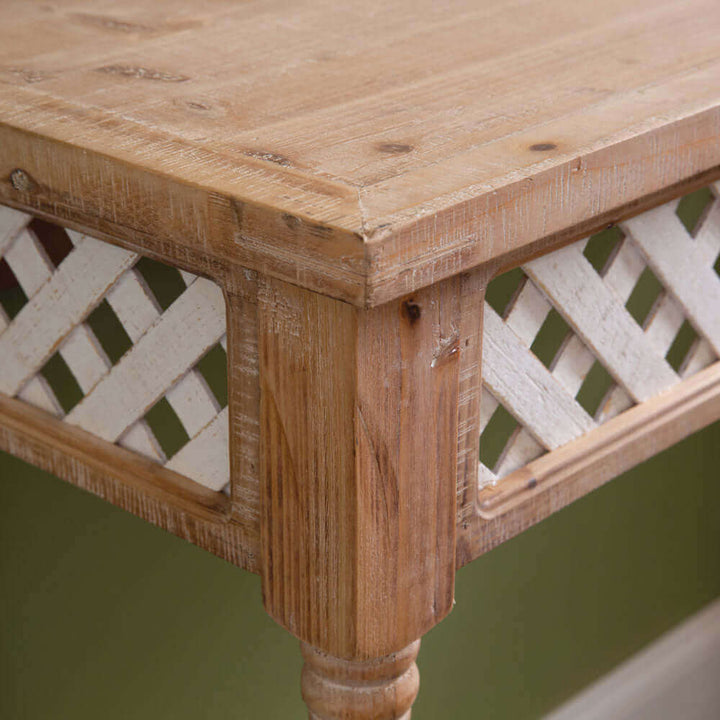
{"x": 606, "y": 327}
{"x": 700, "y": 356}
{"x": 85, "y": 358}
{"x": 623, "y": 270}
{"x": 60, "y": 298}
{"x": 147, "y": 370}
{"x": 616, "y": 401}
{"x": 708, "y": 235}
{"x": 486, "y": 477}
{"x": 665, "y": 321}
{"x": 29, "y": 264}
{"x": 205, "y": 457}
{"x": 488, "y": 405}
{"x": 193, "y": 402}
{"x": 526, "y": 388}
{"x": 38, "y": 393}
{"x": 572, "y": 364}
{"x": 11, "y": 223}
{"x": 674, "y": 257}
{"x": 528, "y": 313}
{"x": 141, "y": 439}
{"x": 188, "y": 277}
{"x": 74, "y": 289}
{"x": 521, "y": 449}
{"x": 134, "y": 305}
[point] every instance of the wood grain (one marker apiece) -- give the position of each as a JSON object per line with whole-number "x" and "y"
{"x": 358, "y": 465}
{"x": 381, "y": 689}
{"x": 126, "y": 479}
{"x": 352, "y": 163}
{"x": 553, "y": 481}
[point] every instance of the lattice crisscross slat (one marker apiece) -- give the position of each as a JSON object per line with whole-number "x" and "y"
{"x": 604, "y": 337}
{"x": 160, "y": 364}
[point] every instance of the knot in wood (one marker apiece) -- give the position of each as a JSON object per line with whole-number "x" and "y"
{"x": 21, "y": 181}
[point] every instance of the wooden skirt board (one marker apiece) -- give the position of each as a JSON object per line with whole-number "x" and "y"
{"x": 660, "y": 371}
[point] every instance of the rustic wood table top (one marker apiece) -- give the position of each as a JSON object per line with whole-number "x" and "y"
{"x": 334, "y": 186}
{"x": 365, "y": 150}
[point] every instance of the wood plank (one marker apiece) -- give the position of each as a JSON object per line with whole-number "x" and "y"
{"x": 134, "y": 305}
{"x": 205, "y": 457}
{"x": 187, "y": 329}
{"x": 193, "y": 402}
{"x": 141, "y": 486}
{"x": 604, "y": 325}
{"x": 527, "y": 389}
{"x": 11, "y": 223}
{"x": 29, "y": 264}
{"x": 140, "y": 439}
{"x": 358, "y": 507}
{"x": 85, "y": 358}
{"x": 354, "y": 165}
{"x": 682, "y": 268}
{"x": 558, "y": 478}
{"x": 42, "y": 324}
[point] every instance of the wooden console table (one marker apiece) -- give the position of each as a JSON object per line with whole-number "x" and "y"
{"x": 329, "y": 191}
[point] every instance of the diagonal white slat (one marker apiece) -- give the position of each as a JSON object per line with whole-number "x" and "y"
{"x": 205, "y": 458}
{"x": 85, "y": 358}
{"x": 525, "y": 387}
{"x": 521, "y": 449}
{"x": 62, "y": 302}
{"x": 147, "y": 369}
{"x": 37, "y": 392}
{"x": 29, "y": 264}
{"x": 617, "y": 401}
{"x": 681, "y": 267}
{"x": 488, "y": 405}
{"x": 193, "y": 402}
{"x": 133, "y": 304}
{"x": 486, "y": 477}
{"x": 605, "y": 326}
{"x": 140, "y": 439}
{"x": 572, "y": 364}
{"x": 700, "y": 356}
{"x": 624, "y": 270}
{"x": 11, "y": 223}
{"x": 663, "y": 326}
{"x": 528, "y": 313}
{"x": 708, "y": 237}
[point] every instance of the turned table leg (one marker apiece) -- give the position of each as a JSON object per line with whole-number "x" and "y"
{"x": 358, "y": 460}
{"x": 383, "y": 688}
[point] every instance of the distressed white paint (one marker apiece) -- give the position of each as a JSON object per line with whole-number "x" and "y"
{"x": 605, "y": 326}
{"x": 58, "y": 306}
{"x": 147, "y": 369}
{"x": 594, "y": 307}
{"x": 205, "y": 457}
{"x": 161, "y": 363}
{"x": 525, "y": 387}
{"x": 681, "y": 267}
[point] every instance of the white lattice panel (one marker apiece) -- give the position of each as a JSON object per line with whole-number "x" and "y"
{"x": 594, "y": 328}
{"x": 91, "y": 335}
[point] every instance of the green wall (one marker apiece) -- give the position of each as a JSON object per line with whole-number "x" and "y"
{"x": 104, "y": 616}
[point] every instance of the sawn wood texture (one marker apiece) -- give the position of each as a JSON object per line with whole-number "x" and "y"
{"x": 362, "y": 149}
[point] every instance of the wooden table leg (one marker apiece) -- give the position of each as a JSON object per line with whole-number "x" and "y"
{"x": 359, "y": 444}
{"x": 337, "y": 689}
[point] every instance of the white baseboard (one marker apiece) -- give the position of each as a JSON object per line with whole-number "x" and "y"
{"x": 677, "y": 677}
